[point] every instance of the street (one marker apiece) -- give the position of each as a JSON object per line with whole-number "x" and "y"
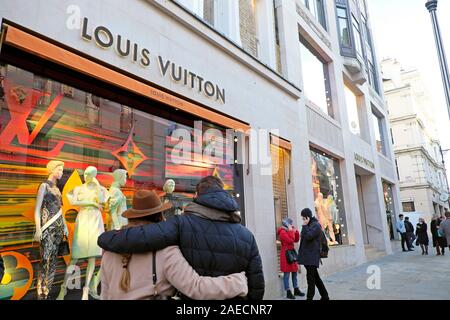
{"x": 403, "y": 276}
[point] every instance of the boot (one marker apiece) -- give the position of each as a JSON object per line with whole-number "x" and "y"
{"x": 426, "y": 250}
{"x": 289, "y": 295}
{"x": 298, "y": 293}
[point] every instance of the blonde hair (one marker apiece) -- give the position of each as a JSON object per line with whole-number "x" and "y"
{"x": 126, "y": 258}
{"x": 125, "y": 279}
{"x": 52, "y": 165}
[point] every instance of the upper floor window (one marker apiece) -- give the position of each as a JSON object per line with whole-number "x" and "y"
{"x": 316, "y": 78}
{"x": 317, "y": 8}
{"x": 344, "y": 27}
{"x": 380, "y": 136}
{"x": 357, "y": 38}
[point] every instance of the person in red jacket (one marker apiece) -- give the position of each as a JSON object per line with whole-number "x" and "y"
{"x": 288, "y": 235}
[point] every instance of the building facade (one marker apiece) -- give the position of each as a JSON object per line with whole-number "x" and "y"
{"x": 421, "y": 170}
{"x": 292, "y": 88}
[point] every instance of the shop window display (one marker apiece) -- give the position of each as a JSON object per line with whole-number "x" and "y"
{"x": 389, "y": 205}
{"x": 328, "y": 199}
{"x": 106, "y": 151}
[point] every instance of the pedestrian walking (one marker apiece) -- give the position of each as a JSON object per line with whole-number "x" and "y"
{"x": 422, "y": 236}
{"x": 410, "y": 233}
{"x": 309, "y": 254}
{"x": 445, "y": 228}
{"x": 209, "y": 234}
{"x": 402, "y": 230}
{"x": 439, "y": 241}
{"x": 157, "y": 275}
{"x": 288, "y": 236}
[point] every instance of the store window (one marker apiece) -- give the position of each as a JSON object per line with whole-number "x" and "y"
{"x": 353, "y": 111}
{"x": 389, "y": 206}
{"x": 408, "y": 206}
{"x": 43, "y": 120}
{"x": 316, "y": 77}
{"x": 328, "y": 197}
{"x": 380, "y": 140}
{"x": 317, "y": 9}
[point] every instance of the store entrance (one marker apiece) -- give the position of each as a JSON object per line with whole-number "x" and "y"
{"x": 362, "y": 210}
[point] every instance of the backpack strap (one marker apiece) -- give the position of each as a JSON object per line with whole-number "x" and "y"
{"x": 154, "y": 276}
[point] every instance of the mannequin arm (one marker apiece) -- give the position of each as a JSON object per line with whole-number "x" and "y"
{"x": 72, "y": 197}
{"x": 37, "y": 212}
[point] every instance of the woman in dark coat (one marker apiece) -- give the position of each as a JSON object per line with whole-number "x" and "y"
{"x": 309, "y": 254}
{"x": 422, "y": 236}
{"x": 438, "y": 242}
{"x": 288, "y": 235}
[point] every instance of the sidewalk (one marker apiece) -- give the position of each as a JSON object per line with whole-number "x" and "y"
{"x": 403, "y": 276}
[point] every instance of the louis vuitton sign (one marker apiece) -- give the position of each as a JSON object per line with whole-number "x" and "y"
{"x": 360, "y": 159}
{"x": 139, "y": 54}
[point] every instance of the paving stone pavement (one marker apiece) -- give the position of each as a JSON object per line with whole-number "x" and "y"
{"x": 403, "y": 276}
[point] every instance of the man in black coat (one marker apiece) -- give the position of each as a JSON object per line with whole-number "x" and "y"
{"x": 309, "y": 254}
{"x": 409, "y": 234}
{"x": 209, "y": 235}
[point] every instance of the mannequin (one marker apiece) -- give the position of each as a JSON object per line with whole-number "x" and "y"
{"x": 332, "y": 216}
{"x": 117, "y": 205}
{"x": 90, "y": 197}
{"x": 169, "y": 188}
{"x": 50, "y": 227}
{"x": 117, "y": 200}
{"x": 324, "y": 216}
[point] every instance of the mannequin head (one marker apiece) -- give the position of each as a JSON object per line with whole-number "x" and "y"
{"x": 120, "y": 176}
{"x": 89, "y": 174}
{"x": 55, "y": 168}
{"x": 320, "y": 196}
{"x": 169, "y": 186}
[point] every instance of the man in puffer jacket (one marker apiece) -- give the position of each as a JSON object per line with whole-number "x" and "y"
{"x": 209, "y": 235}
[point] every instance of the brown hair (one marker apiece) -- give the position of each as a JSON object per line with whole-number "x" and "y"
{"x": 447, "y": 214}
{"x": 209, "y": 182}
{"x": 126, "y": 258}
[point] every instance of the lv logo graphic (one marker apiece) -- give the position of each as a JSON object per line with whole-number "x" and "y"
{"x": 21, "y": 102}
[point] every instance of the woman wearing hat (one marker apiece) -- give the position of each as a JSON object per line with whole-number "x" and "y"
{"x": 157, "y": 275}
{"x": 288, "y": 235}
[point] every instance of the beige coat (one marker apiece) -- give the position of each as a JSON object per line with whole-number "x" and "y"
{"x": 173, "y": 271}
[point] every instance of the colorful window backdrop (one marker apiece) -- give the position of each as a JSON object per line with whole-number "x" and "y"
{"x": 43, "y": 120}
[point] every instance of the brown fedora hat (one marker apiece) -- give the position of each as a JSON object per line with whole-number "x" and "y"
{"x": 145, "y": 203}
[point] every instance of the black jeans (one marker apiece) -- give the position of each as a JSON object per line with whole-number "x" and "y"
{"x": 405, "y": 239}
{"x": 313, "y": 279}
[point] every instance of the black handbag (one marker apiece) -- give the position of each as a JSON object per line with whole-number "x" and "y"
{"x": 64, "y": 249}
{"x": 291, "y": 256}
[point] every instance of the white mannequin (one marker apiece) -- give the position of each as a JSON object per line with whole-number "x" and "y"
{"x": 169, "y": 188}
{"x": 117, "y": 200}
{"x": 90, "y": 197}
{"x": 323, "y": 215}
{"x": 117, "y": 205}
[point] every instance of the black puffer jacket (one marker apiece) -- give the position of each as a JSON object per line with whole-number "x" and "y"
{"x": 212, "y": 241}
{"x": 309, "y": 250}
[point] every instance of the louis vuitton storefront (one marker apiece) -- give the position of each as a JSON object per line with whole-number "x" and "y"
{"x": 57, "y": 105}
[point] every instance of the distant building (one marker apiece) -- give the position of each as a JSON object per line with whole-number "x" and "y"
{"x": 420, "y": 167}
